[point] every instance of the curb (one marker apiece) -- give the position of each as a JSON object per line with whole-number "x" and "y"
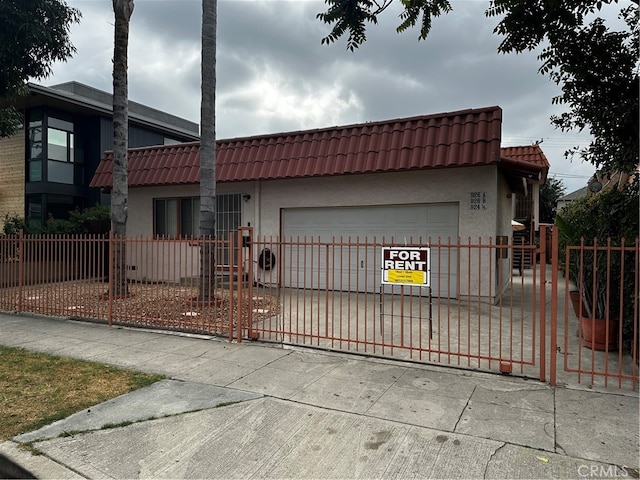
{"x": 11, "y": 469}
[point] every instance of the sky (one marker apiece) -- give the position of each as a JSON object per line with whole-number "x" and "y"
{"x": 273, "y": 74}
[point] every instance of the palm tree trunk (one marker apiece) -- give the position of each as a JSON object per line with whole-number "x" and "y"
{"x": 208, "y": 149}
{"x": 122, "y": 10}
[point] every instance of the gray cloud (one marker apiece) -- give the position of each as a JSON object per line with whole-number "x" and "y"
{"x": 274, "y": 75}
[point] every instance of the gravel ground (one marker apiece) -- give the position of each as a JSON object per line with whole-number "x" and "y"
{"x": 163, "y": 306}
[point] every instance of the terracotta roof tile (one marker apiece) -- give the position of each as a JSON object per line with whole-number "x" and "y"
{"x": 525, "y": 157}
{"x": 529, "y": 153}
{"x": 464, "y": 138}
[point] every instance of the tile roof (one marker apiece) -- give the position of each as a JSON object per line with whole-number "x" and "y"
{"x": 454, "y": 139}
{"x": 528, "y": 153}
{"x": 575, "y": 195}
{"x": 528, "y": 160}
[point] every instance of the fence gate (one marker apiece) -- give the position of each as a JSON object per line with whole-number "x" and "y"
{"x": 597, "y": 347}
{"x": 330, "y": 295}
{"x": 481, "y": 308}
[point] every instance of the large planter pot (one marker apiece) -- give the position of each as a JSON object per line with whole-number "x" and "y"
{"x": 99, "y": 227}
{"x": 594, "y": 333}
{"x": 574, "y": 296}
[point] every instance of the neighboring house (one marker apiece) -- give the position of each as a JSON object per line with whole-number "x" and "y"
{"x": 439, "y": 176}
{"x": 570, "y": 197}
{"x": 597, "y": 183}
{"x": 47, "y": 166}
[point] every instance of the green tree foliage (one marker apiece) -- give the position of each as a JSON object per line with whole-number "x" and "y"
{"x": 79, "y": 222}
{"x": 550, "y": 192}
{"x": 352, "y": 16}
{"x": 595, "y": 65}
{"x": 34, "y": 34}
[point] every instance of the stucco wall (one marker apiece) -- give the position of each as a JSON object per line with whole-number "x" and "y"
{"x": 166, "y": 261}
{"x": 268, "y": 198}
{"x": 140, "y": 203}
{"x": 12, "y": 179}
{"x": 481, "y": 193}
{"x": 503, "y": 228}
{"x": 432, "y": 186}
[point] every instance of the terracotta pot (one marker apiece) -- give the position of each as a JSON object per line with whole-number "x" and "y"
{"x": 594, "y": 333}
{"x": 574, "y": 296}
{"x": 98, "y": 226}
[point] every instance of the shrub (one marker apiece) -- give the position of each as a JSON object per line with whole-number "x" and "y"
{"x": 610, "y": 214}
{"x": 80, "y": 221}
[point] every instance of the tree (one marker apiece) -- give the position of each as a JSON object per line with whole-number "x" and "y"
{"x": 119, "y": 195}
{"x": 34, "y": 34}
{"x": 595, "y": 65}
{"x": 208, "y": 147}
{"x": 352, "y": 16}
{"x": 550, "y": 192}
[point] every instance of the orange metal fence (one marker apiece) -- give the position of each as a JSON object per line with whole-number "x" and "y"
{"x": 157, "y": 284}
{"x": 597, "y": 334}
{"x": 481, "y": 310}
{"x": 478, "y": 311}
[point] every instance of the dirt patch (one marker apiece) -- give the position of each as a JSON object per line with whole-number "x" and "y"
{"x": 152, "y": 305}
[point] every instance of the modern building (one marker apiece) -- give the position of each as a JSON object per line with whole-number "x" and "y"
{"x": 48, "y": 165}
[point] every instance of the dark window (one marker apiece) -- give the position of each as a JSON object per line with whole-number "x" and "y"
{"x": 35, "y": 150}
{"x": 175, "y": 217}
{"x": 34, "y": 212}
{"x": 61, "y": 153}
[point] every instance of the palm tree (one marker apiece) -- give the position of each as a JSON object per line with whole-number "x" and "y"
{"x": 123, "y": 10}
{"x": 208, "y": 147}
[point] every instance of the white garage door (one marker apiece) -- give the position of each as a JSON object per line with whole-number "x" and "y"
{"x": 356, "y": 268}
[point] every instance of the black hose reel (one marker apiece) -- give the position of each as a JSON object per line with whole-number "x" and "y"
{"x": 266, "y": 260}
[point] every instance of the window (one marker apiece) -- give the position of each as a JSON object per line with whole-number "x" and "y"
{"x": 175, "y": 217}
{"x": 35, "y": 146}
{"x": 61, "y": 155}
{"x": 34, "y": 212}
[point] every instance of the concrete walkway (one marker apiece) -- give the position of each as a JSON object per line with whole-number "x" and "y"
{"x": 251, "y": 410}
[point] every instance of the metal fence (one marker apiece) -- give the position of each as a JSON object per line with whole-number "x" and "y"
{"x": 482, "y": 309}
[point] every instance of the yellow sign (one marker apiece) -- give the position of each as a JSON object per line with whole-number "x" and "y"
{"x": 411, "y": 277}
{"x": 406, "y": 266}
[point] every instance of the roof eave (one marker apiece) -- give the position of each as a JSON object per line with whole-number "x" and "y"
{"x": 107, "y": 109}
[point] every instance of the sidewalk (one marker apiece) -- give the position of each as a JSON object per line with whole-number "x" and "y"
{"x": 293, "y": 413}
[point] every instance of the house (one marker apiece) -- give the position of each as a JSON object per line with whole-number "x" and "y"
{"x": 440, "y": 176}
{"x": 570, "y": 197}
{"x": 597, "y": 183}
{"x": 48, "y": 165}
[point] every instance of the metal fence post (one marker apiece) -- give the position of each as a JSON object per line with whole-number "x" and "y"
{"x": 553, "y": 357}
{"x": 21, "y": 265}
{"x": 110, "y": 290}
{"x": 543, "y": 303}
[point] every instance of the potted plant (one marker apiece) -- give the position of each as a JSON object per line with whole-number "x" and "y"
{"x": 603, "y": 277}
{"x": 93, "y": 220}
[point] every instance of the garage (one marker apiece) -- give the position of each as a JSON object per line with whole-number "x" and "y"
{"x": 324, "y": 264}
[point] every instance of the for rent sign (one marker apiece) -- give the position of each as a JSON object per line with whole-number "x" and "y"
{"x": 406, "y": 266}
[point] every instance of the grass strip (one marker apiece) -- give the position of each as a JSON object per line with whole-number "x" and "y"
{"x": 37, "y": 389}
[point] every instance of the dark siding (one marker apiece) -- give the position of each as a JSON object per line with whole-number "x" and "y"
{"x": 139, "y": 137}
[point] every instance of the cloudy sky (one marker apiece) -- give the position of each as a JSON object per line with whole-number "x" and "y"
{"x": 273, "y": 74}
